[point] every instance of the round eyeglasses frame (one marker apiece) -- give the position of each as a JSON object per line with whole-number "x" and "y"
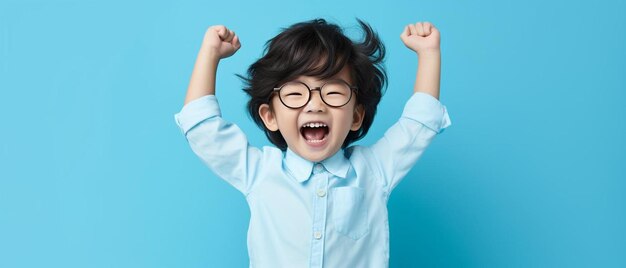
{"x": 277, "y": 90}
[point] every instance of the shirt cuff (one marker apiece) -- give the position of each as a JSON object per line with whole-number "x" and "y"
{"x": 197, "y": 111}
{"x": 426, "y": 109}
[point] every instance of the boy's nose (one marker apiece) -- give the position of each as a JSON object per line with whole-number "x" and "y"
{"x": 315, "y": 104}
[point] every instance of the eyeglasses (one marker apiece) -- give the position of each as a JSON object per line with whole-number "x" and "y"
{"x": 296, "y": 94}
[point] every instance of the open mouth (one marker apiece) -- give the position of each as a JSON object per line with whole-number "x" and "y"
{"x": 314, "y": 132}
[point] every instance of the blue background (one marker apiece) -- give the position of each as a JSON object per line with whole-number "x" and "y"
{"x": 95, "y": 173}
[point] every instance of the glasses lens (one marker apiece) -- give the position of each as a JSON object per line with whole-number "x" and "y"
{"x": 336, "y": 93}
{"x": 294, "y": 94}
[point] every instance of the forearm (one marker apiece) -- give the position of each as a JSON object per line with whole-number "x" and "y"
{"x": 202, "y": 81}
{"x": 428, "y": 73}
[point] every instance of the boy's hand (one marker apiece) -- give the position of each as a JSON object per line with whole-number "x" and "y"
{"x": 221, "y": 41}
{"x": 420, "y": 37}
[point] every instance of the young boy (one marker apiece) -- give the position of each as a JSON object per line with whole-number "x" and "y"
{"x": 315, "y": 201}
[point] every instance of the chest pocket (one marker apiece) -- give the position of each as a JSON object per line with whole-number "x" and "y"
{"x": 349, "y": 212}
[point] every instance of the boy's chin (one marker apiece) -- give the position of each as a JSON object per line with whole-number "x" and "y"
{"x": 316, "y": 158}
{"x": 316, "y": 155}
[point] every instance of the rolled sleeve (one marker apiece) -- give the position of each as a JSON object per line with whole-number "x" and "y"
{"x": 197, "y": 111}
{"x": 426, "y": 109}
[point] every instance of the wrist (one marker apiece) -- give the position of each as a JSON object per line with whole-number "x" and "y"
{"x": 429, "y": 52}
{"x": 212, "y": 55}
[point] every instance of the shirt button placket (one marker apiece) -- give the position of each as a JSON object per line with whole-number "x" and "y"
{"x": 319, "y": 216}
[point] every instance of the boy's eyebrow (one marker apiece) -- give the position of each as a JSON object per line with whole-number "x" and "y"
{"x": 323, "y": 81}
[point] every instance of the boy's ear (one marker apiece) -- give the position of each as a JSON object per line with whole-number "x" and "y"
{"x": 357, "y": 120}
{"x": 267, "y": 115}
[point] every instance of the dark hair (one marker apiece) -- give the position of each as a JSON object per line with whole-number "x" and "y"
{"x": 319, "y": 49}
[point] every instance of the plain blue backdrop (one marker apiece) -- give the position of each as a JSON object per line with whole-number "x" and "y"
{"x": 95, "y": 173}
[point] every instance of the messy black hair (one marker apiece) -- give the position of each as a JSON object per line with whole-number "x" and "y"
{"x": 319, "y": 49}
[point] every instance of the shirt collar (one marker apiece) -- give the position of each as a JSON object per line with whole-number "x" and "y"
{"x": 301, "y": 168}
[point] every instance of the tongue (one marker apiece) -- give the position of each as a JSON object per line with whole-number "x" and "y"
{"x": 314, "y": 133}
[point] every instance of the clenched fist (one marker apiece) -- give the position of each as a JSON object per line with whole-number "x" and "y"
{"x": 220, "y": 40}
{"x": 421, "y": 36}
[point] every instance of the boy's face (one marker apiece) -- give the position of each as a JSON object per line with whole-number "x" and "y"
{"x": 314, "y": 143}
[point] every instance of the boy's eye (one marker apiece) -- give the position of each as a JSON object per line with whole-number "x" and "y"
{"x": 293, "y": 94}
{"x": 334, "y": 93}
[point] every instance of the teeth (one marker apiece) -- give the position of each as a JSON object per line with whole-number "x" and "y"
{"x": 313, "y": 125}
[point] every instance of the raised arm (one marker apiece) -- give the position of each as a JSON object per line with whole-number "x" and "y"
{"x": 220, "y": 144}
{"x": 219, "y": 42}
{"x": 424, "y": 39}
{"x": 423, "y": 117}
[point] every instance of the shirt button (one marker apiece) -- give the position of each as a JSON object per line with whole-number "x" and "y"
{"x": 317, "y": 235}
{"x": 321, "y": 192}
{"x": 319, "y": 168}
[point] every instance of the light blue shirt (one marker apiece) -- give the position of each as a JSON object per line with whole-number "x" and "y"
{"x": 305, "y": 214}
